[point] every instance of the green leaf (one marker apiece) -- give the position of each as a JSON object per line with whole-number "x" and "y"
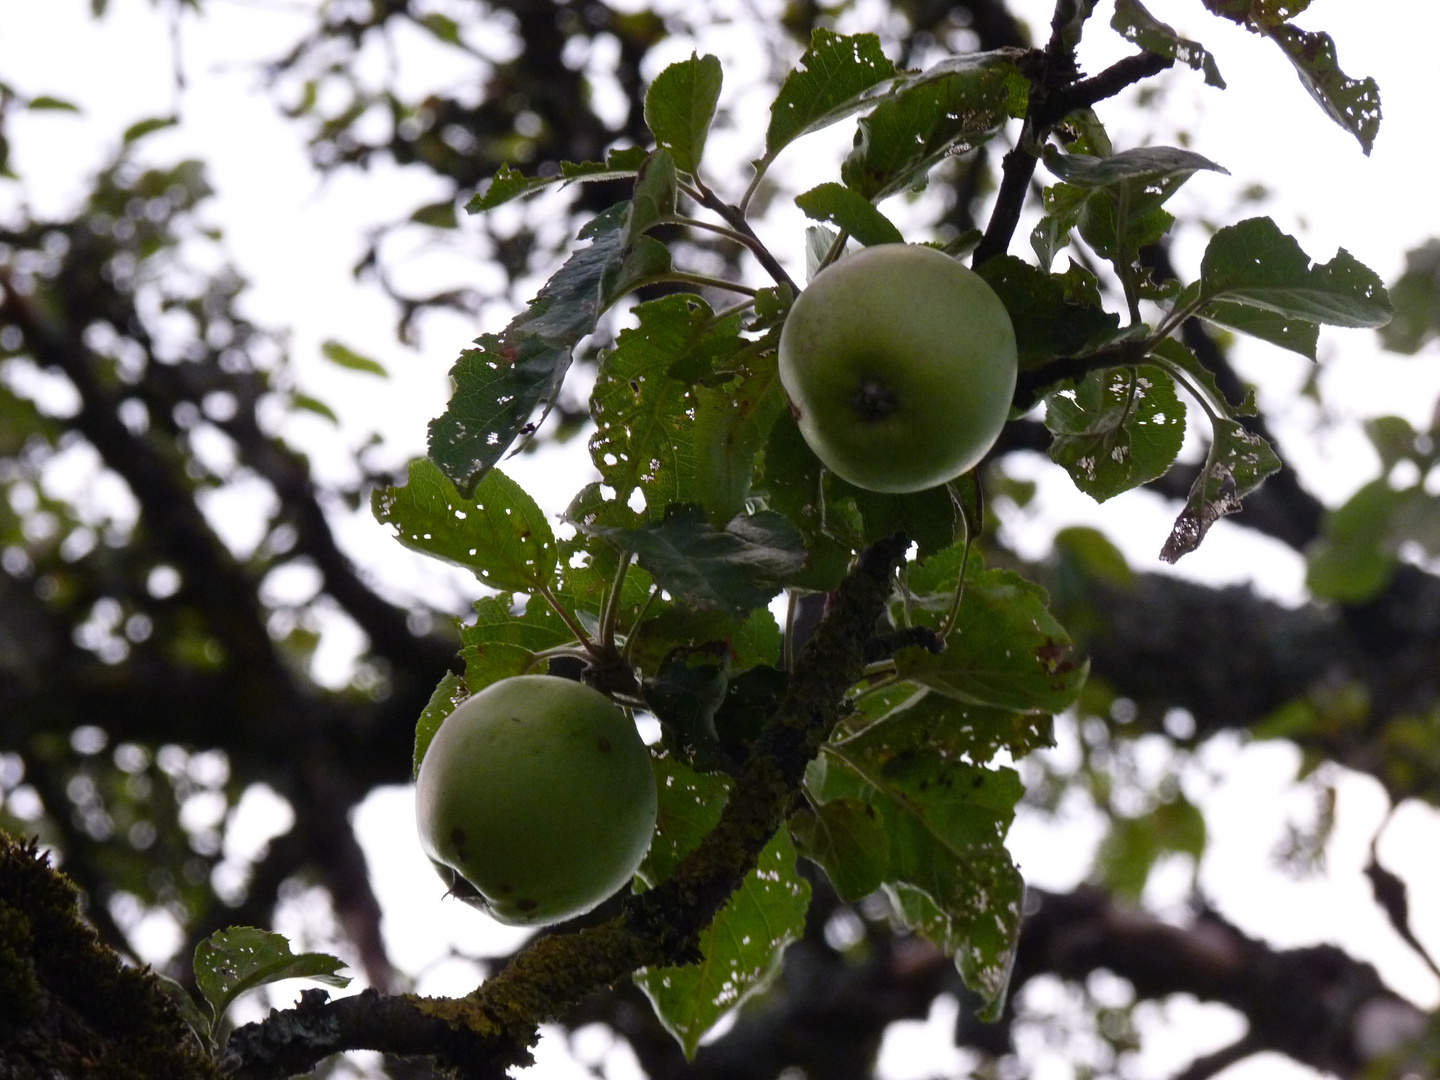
{"x": 1355, "y": 556}
{"x": 500, "y": 643}
{"x": 656, "y": 190}
{"x": 680, "y": 106}
{"x": 929, "y": 722}
{"x": 740, "y": 951}
{"x": 1155, "y": 172}
{"x": 850, "y": 211}
{"x": 1137, "y": 25}
{"x": 1117, "y": 429}
{"x": 1202, "y": 377}
{"x": 1255, "y": 264}
{"x": 834, "y": 79}
{"x": 241, "y": 958}
{"x": 1005, "y": 649}
{"x": 1417, "y": 302}
{"x": 188, "y": 1008}
{"x": 499, "y": 533}
{"x": 930, "y": 518}
{"x": 46, "y": 103}
{"x": 948, "y": 870}
{"x": 509, "y": 184}
{"x": 734, "y": 568}
{"x": 795, "y": 484}
{"x": 1238, "y": 462}
{"x": 442, "y": 27}
{"x": 138, "y": 130}
{"x": 1354, "y": 104}
{"x": 346, "y": 357}
{"x": 846, "y": 838}
{"x": 689, "y": 806}
{"x": 314, "y": 405}
{"x": 1050, "y": 320}
{"x": 1135, "y": 845}
{"x": 954, "y": 107}
{"x": 751, "y": 639}
{"x": 731, "y": 425}
{"x": 1297, "y": 335}
{"x": 449, "y": 692}
{"x": 644, "y": 419}
{"x": 500, "y": 384}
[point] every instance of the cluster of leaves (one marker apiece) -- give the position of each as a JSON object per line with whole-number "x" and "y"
{"x": 710, "y": 505}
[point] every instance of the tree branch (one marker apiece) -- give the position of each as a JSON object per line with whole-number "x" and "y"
{"x": 494, "y": 1028}
{"x": 1050, "y": 102}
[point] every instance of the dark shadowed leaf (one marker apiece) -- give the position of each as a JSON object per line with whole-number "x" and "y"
{"x": 737, "y": 567}
{"x": 1296, "y": 335}
{"x": 846, "y": 837}
{"x": 1050, "y": 319}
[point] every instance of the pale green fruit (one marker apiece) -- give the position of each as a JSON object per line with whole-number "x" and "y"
{"x": 900, "y": 364}
{"x": 537, "y": 791}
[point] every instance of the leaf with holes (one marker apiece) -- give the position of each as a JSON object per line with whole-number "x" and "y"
{"x": 645, "y": 420}
{"x": 1239, "y": 460}
{"x": 945, "y": 824}
{"x": 1117, "y": 429}
{"x": 499, "y": 533}
{"x": 1135, "y": 24}
{"x": 740, "y": 951}
{"x": 229, "y": 962}
{"x": 1255, "y": 264}
{"x": 954, "y": 107}
{"x": 500, "y": 384}
{"x": 836, "y": 77}
{"x": 1005, "y": 649}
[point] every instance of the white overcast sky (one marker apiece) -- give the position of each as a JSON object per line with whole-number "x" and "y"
{"x": 295, "y": 237}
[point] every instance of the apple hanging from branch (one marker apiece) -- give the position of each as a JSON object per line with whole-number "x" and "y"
{"x": 536, "y": 799}
{"x": 900, "y": 365}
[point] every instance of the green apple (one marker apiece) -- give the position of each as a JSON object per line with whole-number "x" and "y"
{"x": 900, "y": 365}
{"x": 537, "y": 792}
